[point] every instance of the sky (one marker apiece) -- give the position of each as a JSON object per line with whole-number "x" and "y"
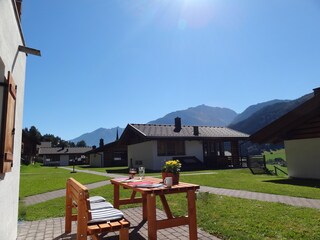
{"x": 107, "y": 63}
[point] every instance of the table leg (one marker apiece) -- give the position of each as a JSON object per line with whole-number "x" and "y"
{"x": 152, "y": 218}
{"x": 144, "y": 207}
{"x": 192, "y": 215}
{"x": 116, "y": 195}
{"x": 166, "y": 206}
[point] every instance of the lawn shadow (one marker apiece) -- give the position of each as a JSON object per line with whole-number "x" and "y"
{"x": 297, "y": 182}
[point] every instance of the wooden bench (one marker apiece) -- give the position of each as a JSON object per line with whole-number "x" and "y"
{"x": 91, "y": 221}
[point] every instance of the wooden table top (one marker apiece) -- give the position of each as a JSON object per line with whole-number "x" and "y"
{"x": 134, "y": 184}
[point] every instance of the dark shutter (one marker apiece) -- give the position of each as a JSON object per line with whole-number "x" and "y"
{"x": 8, "y": 130}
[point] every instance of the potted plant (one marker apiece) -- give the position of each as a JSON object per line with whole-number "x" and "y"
{"x": 171, "y": 168}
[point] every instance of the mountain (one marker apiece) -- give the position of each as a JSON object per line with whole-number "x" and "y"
{"x": 254, "y": 108}
{"x": 201, "y": 115}
{"x": 93, "y": 138}
{"x": 267, "y": 114}
{"x": 252, "y": 119}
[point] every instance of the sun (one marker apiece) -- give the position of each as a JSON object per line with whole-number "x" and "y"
{"x": 196, "y": 13}
{"x": 184, "y": 14}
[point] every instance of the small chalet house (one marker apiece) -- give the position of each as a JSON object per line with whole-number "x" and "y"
{"x": 300, "y": 131}
{"x": 61, "y": 156}
{"x": 108, "y": 155}
{"x": 151, "y": 145}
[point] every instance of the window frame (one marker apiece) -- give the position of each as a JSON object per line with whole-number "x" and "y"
{"x": 171, "y": 147}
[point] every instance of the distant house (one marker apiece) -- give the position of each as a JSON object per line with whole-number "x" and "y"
{"x": 61, "y": 156}
{"x": 300, "y": 131}
{"x": 150, "y": 145}
{"x": 108, "y": 155}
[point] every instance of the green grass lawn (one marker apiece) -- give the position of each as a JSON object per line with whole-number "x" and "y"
{"x": 275, "y": 154}
{"x": 243, "y": 179}
{"x": 271, "y": 167}
{"x": 225, "y": 217}
{"x": 35, "y": 179}
{"x": 102, "y": 169}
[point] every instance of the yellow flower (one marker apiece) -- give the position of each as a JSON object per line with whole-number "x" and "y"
{"x": 172, "y": 166}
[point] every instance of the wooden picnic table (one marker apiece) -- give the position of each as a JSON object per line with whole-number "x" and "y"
{"x": 148, "y": 200}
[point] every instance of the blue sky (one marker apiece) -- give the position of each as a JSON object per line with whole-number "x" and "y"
{"x": 106, "y": 63}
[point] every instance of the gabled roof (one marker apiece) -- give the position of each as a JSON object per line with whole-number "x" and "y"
{"x": 302, "y": 122}
{"x": 102, "y": 148}
{"x": 153, "y": 131}
{"x": 63, "y": 151}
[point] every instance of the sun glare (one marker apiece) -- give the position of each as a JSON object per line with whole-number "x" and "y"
{"x": 183, "y": 14}
{"x": 196, "y": 13}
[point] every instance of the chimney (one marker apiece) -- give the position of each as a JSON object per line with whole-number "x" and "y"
{"x": 101, "y": 143}
{"x": 316, "y": 91}
{"x": 177, "y": 124}
{"x": 195, "y": 130}
{"x": 117, "y": 137}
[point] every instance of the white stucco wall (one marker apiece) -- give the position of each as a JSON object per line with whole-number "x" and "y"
{"x": 96, "y": 159}
{"x": 10, "y": 39}
{"x": 64, "y": 160}
{"x": 147, "y": 153}
{"x": 194, "y": 148}
{"x": 141, "y": 152}
{"x": 303, "y": 158}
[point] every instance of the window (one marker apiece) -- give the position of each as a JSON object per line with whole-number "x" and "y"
{"x": 170, "y": 148}
{"x": 119, "y": 156}
{"x": 8, "y": 105}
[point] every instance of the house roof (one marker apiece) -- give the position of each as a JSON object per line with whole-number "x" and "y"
{"x": 101, "y": 148}
{"x": 302, "y": 122}
{"x": 154, "y": 131}
{"x": 63, "y": 151}
{"x": 95, "y": 150}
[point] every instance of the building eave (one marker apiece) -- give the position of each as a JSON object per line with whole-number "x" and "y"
{"x": 278, "y": 130}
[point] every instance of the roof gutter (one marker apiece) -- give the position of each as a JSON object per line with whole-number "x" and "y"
{"x": 18, "y": 20}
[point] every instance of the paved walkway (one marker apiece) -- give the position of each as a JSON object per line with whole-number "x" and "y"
{"x": 53, "y": 229}
{"x": 60, "y": 193}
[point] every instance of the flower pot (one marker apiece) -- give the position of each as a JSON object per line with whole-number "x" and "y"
{"x": 175, "y": 177}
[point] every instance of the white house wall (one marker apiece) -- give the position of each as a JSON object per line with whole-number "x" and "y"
{"x": 96, "y": 159}
{"x": 64, "y": 160}
{"x": 147, "y": 153}
{"x": 141, "y": 152}
{"x": 194, "y": 148}
{"x": 10, "y": 39}
{"x": 303, "y": 158}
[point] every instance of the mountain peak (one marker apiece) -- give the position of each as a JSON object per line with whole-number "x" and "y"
{"x": 253, "y": 118}
{"x": 93, "y": 138}
{"x": 201, "y": 115}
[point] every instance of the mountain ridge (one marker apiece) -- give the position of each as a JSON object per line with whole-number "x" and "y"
{"x": 201, "y": 115}
{"x": 93, "y": 138}
{"x": 254, "y": 108}
{"x": 268, "y": 114}
{"x": 250, "y": 120}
